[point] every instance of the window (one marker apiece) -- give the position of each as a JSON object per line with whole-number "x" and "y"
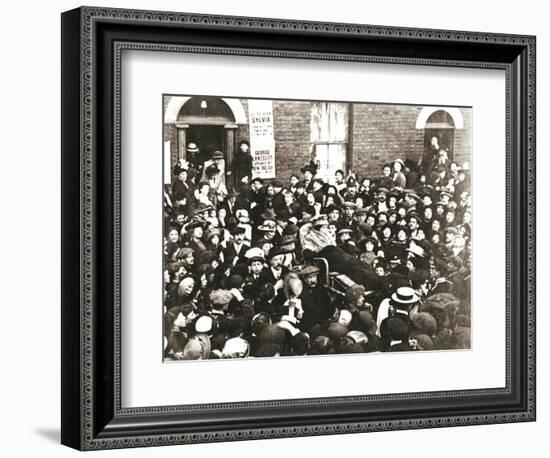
{"x": 330, "y": 132}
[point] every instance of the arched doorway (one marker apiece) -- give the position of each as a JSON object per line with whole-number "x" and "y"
{"x": 439, "y": 126}
{"x": 208, "y": 122}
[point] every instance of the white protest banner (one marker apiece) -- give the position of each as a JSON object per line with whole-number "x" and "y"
{"x": 262, "y": 140}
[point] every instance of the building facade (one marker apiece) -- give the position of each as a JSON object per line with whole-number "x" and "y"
{"x": 358, "y": 137}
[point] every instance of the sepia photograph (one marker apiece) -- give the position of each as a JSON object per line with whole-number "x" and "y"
{"x": 314, "y": 227}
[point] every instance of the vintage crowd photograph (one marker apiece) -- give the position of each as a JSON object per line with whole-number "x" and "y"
{"x": 314, "y": 227}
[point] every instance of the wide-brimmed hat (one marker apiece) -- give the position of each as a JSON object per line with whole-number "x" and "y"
{"x": 201, "y": 208}
{"x": 238, "y": 230}
{"x": 211, "y": 233}
{"x": 268, "y": 226}
{"x": 182, "y": 253}
{"x": 192, "y": 226}
{"x": 242, "y": 215}
{"x": 404, "y": 295}
{"x": 275, "y": 251}
{"x": 217, "y": 155}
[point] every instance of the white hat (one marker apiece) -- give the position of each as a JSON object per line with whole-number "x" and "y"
{"x": 204, "y": 324}
{"x": 404, "y": 295}
{"x": 235, "y": 348}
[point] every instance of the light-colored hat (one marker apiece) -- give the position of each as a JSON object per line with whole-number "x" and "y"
{"x": 236, "y": 347}
{"x": 192, "y": 148}
{"x": 268, "y": 226}
{"x": 220, "y": 297}
{"x": 254, "y": 252}
{"x": 242, "y": 214}
{"x": 358, "y": 337}
{"x": 204, "y": 324}
{"x": 404, "y": 295}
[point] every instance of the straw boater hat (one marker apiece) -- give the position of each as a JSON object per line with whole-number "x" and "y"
{"x": 192, "y": 148}
{"x": 404, "y": 296}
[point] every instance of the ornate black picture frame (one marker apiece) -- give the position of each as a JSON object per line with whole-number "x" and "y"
{"x": 92, "y": 42}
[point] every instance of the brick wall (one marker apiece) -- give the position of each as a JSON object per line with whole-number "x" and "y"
{"x": 378, "y": 134}
{"x": 464, "y": 138}
{"x": 382, "y": 133}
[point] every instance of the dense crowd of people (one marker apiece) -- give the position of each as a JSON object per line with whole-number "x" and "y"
{"x": 263, "y": 268}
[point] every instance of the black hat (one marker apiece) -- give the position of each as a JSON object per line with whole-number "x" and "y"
{"x": 212, "y": 170}
{"x": 275, "y": 251}
{"x": 200, "y": 209}
{"x": 234, "y": 281}
{"x": 191, "y": 226}
{"x": 333, "y": 207}
{"x": 238, "y": 230}
{"x": 394, "y": 193}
